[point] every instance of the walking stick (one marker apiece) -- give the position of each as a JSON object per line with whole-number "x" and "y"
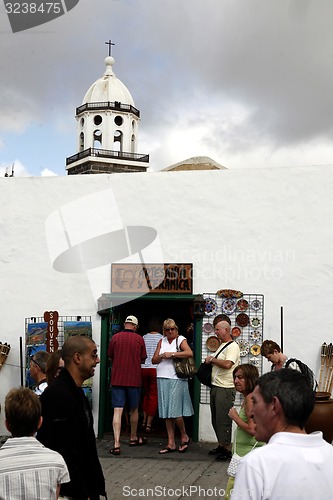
{"x": 328, "y": 362}
{"x": 330, "y": 368}
{"x": 323, "y": 354}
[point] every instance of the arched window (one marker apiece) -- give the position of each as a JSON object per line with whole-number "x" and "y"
{"x": 81, "y": 147}
{"x": 118, "y": 141}
{"x": 97, "y": 139}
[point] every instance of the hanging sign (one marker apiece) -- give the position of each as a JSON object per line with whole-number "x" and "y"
{"x": 151, "y": 278}
{"x": 51, "y": 318}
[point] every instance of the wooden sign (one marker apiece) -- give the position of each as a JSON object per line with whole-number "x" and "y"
{"x": 51, "y": 318}
{"x": 151, "y": 278}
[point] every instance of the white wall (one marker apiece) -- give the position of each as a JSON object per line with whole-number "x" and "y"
{"x": 259, "y": 231}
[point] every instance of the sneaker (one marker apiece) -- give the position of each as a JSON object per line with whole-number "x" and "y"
{"x": 217, "y": 450}
{"x": 224, "y": 455}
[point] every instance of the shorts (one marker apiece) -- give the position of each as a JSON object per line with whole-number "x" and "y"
{"x": 121, "y": 395}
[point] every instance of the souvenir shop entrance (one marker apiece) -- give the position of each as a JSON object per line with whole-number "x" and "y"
{"x": 185, "y": 309}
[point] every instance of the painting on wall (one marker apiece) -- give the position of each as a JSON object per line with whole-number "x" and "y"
{"x": 77, "y": 328}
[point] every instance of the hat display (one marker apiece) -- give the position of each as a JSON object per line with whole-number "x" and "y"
{"x": 132, "y": 319}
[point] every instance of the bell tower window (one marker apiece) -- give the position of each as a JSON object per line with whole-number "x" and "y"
{"x": 97, "y": 139}
{"x": 118, "y": 120}
{"x": 98, "y": 119}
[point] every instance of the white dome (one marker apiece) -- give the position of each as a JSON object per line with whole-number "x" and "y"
{"x": 108, "y": 88}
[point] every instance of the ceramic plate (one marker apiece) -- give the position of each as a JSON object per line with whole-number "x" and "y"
{"x": 212, "y": 343}
{"x": 210, "y": 307}
{"x": 236, "y": 332}
{"x": 255, "y": 335}
{"x": 208, "y": 327}
{"x": 256, "y": 304}
{"x": 228, "y": 306}
{"x": 229, "y": 294}
{"x": 254, "y": 362}
{"x": 255, "y": 349}
{"x": 243, "y": 347}
{"x": 242, "y": 319}
{"x": 242, "y": 305}
{"x": 255, "y": 322}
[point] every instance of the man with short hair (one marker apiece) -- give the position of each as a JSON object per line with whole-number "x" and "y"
{"x": 126, "y": 351}
{"x": 28, "y": 470}
{"x": 37, "y": 370}
{"x": 222, "y": 393}
{"x": 293, "y": 464}
{"x": 68, "y": 421}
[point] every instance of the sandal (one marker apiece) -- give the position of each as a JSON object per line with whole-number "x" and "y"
{"x": 184, "y": 446}
{"x": 166, "y": 450}
{"x": 115, "y": 451}
{"x": 143, "y": 425}
{"x": 148, "y": 429}
{"x": 139, "y": 441}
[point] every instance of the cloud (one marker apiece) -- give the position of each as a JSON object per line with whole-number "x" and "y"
{"x": 242, "y": 79}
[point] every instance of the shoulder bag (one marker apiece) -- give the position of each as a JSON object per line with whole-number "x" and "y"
{"x": 204, "y": 372}
{"x": 235, "y": 459}
{"x": 185, "y": 367}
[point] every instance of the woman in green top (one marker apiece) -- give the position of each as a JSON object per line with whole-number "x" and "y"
{"x": 245, "y": 377}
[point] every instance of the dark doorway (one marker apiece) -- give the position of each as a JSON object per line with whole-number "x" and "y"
{"x": 179, "y": 309}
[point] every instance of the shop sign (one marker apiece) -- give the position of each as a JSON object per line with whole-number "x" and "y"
{"x": 51, "y": 318}
{"x": 151, "y": 278}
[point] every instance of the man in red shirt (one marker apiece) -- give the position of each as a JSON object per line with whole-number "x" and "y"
{"x": 126, "y": 351}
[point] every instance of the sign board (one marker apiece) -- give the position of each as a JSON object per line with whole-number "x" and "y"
{"x": 151, "y": 278}
{"x": 51, "y": 317}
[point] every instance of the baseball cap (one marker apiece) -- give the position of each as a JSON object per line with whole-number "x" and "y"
{"x": 132, "y": 319}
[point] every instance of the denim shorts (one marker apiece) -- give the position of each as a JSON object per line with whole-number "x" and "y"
{"x": 121, "y": 395}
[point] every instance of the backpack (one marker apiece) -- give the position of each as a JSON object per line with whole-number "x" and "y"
{"x": 303, "y": 368}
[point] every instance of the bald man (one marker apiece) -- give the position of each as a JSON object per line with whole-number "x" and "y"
{"x": 222, "y": 393}
{"x": 68, "y": 422}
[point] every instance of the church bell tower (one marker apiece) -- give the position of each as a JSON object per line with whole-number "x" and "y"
{"x": 107, "y": 129}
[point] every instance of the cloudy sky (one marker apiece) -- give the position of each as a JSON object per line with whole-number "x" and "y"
{"x": 246, "y": 82}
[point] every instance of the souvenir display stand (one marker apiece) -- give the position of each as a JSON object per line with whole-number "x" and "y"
{"x": 246, "y": 312}
{"x": 36, "y": 340}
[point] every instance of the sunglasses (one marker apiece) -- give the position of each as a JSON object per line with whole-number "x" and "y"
{"x": 169, "y": 329}
{"x": 31, "y": 359}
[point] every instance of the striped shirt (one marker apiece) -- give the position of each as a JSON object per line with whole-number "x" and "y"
{"x": 151, "y": 340}
{"x": 29, "y": 471}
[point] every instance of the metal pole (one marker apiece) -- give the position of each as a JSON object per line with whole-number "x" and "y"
{"x": 21, "y": 360}
{"x": 281, "y": 342}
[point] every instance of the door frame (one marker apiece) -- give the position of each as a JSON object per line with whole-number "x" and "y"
{"x": 106, "y": 317}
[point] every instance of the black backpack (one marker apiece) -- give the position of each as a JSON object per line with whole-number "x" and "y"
{"x": 303, "y": 368}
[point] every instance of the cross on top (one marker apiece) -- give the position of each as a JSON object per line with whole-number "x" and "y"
{"x": 110, "y": 43}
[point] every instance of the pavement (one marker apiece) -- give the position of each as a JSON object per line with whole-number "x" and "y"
{"x": 142, "y": 472}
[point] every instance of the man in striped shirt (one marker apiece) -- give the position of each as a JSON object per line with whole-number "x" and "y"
{"x": 28, "y": 470}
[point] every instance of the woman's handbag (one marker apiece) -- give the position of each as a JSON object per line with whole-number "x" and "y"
{"x": 204, "y": 372}
{"x": 233, "y": 465}
{"x": 185, "y": 367}
{"x": 235, "y": 459}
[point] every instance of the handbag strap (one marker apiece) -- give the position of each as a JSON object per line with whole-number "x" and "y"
{"x": 235, "y": 441}
{"x": 224, "y": 347}
{"x": 177, "y": 344}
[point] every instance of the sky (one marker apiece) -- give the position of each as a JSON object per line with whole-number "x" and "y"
{"x": 247, "y": 83}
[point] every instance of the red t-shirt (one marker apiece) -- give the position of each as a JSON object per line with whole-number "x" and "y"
{"x": 127, "y": 351}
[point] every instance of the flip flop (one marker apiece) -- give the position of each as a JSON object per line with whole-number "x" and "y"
{"x": 184, "y": 447}
{"x": 166, "y": 450}
{"x": 139, "y": 441}
{"x": 115, "y": 451}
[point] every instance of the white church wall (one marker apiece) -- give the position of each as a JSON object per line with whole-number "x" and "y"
{"x": 259, "y": 231}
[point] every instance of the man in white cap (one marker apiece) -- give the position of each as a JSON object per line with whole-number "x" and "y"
{"x": 126, "y": 351}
